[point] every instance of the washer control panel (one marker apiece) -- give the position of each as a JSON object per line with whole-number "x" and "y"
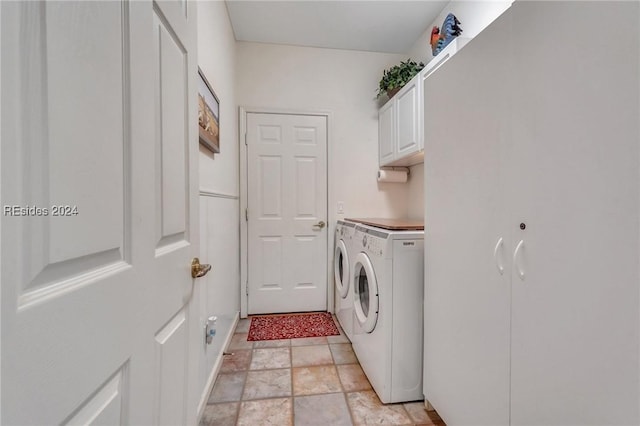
{"x": 373, "y": 244}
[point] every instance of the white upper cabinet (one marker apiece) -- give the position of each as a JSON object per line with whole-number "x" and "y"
{"x": 401, "y": 119}
{"x": 386, "y": 132}
{"x": 400, "y": 126}
{"x": 408, "y": 119}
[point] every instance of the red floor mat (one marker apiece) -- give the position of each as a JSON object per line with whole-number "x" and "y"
{"x": 292, "y": 326}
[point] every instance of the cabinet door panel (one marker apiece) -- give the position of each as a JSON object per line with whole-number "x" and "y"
{"x": 467, "y": 300}
{"x": 408, "y": 119}
{"x": 386, "y": 133}
{"x": 575, "y": 314}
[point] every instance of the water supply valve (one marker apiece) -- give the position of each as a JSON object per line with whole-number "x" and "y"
{"x": 210, "y": 329}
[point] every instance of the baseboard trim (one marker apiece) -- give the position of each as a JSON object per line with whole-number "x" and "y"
{"x": 216, "y": 368}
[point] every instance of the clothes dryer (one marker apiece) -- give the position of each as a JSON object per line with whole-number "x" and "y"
{"x": 342, "y": 266}
{"x": 388, "y": 288}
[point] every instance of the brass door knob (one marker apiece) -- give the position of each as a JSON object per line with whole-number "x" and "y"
{"x": 199, "y": 269}
{"x": 320, "y": 225}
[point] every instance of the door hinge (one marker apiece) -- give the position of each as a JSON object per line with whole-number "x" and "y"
{"x": 247, "y": 287}
{"x": 246, "y": 215}
{"x": 245, "y": 138}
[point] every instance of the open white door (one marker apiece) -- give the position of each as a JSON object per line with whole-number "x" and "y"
{"x": 98, "y": 127}
{"x": 287, "y": 212}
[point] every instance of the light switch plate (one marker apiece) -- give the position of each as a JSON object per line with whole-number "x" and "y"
{"x": 340, "y": 207}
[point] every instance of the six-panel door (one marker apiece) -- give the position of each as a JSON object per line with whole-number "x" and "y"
{"x": 287, "y": 212}
{"x": 98, "y": 191}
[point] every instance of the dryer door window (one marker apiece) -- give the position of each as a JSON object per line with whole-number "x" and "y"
{"x": 341, "y": 269}
{"x": 366, "y": 293}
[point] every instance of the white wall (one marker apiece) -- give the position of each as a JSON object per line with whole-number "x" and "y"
{"x": 219, "y": 291}
{"x": 415, "y": 209}
{"x": 343, "y": 83}
{"x": 216, "y": 58}
{"x": 474, "y": 16}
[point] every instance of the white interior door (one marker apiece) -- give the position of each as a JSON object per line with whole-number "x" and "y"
{"x": 97, "y": 116}
{"x": 467, "y": 294}
{"x": 287, "y": 212}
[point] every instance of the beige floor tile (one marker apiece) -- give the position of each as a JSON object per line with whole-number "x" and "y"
{"x": 270, "y": 358}
{"x": 367, "y": 409}
{"x": 243, "y": 325}
{"x": 311, "y": 355}
{"x": 228, "y": 387}
{"x": 353, "y": 378}
{"x": 421, "y": 416}
{"x": 337, "y": 323}
{"x": 321, "y": 410}
{"x": 277, "y": 343}
{"x": 224, "y": 414}
{"x": 306, "y": 341}
{"x": 343, "y": 353}
{"x": 341, "y": 338}
{"x": 266, "y": 412}
{"x": 239, "y": 341}
{"x": 267, "y": 384}
{"x": 315, "y": 380}
{"x": 238, "y": 360}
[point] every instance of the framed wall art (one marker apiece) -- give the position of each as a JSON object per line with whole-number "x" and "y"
{"x": 208, "y": 114}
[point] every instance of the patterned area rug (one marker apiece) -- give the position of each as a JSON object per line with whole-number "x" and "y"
{"x": 292, "y": 326}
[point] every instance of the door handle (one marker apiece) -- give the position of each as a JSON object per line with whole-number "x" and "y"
{"x": 199, "y": 269}
{"x": 499, "y": 263}
{"x": 320, "y": 225}
{"x": 516, "y": 259}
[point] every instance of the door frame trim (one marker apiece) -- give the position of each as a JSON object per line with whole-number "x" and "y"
{"x": 244, "y": 194}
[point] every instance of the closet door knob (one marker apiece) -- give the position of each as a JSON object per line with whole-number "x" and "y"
{"x": 517, "y": 256}
{"x": 498, "y": 260}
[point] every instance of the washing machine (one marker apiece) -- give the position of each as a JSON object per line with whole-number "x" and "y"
{"x": 387, "y": 279}
{"x": 342, "y": 264}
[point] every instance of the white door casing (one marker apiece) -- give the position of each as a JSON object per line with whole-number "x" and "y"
{"x": 96, "y": 115}
{"x": 286, "y": 199}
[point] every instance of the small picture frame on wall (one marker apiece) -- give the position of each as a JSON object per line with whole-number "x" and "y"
{"x": 208, "y": 114}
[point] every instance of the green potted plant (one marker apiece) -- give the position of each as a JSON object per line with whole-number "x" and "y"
{"x": 397, "y": 76}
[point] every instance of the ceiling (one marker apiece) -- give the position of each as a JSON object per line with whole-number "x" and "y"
{"x": 378, "y": 26}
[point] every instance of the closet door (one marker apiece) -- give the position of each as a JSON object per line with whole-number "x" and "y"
{"x": 575, "y": 308}
{"x": 467, "y": 288}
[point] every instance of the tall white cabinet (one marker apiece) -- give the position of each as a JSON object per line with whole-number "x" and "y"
{"x": 532, "y": 257}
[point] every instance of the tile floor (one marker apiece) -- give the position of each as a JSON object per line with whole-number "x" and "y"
{"x": 312, "y": 381}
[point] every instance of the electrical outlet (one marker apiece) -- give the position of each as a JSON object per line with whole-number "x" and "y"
{"x": 340, "y": 207}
